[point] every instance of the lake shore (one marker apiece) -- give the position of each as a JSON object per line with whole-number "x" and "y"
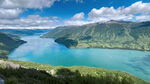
{"x": 47, "y": 51}
{"x": 109, "y": 48}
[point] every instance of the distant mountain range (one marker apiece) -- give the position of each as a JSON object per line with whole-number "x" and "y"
{"x": 111, "y": 34}
{"x": 7, "y": 44}
{"x": 23, "y": 32}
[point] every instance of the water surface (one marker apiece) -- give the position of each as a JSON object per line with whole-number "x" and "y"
{"x": 46, "y": 51}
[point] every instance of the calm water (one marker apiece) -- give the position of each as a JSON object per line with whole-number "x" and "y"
{"x": 46, "y": 51}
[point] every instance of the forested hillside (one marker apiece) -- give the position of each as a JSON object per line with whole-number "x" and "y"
{"x": 7, "y": 44}
{"x": 111, "y": 34}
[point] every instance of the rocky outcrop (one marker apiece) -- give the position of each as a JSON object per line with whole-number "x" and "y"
{"x": 9, "y": 65}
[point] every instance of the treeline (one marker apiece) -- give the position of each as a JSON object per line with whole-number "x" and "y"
{"x": 33, "y": 76}
{"x": 67, "y": 42}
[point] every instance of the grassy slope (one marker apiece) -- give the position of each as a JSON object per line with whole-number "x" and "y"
{"x": 7, "y": 44}
{"x": 113, "y": 34}
{"x": 85, "y": 75}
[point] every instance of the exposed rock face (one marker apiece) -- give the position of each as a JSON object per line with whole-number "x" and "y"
{"x": 9, "y": 65}
{"x": 53, "y": 72}
{"x": 61, "y": 73}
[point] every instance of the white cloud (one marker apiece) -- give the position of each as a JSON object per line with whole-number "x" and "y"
{"x": 77, "y": 19}
{"x": 121, "y": 13}
{"x": 110, "y": 13}
{"x": 31, "y": 21}
{"x": 137, "y": 7}
{"x": 105, "y": 14}
{"x": 143, "y": 18}
{"x": 37, "y": 4}
{"x": 13, "y": 8}
{"x": 9, "y": 13}
{"x": 78, "y": 16}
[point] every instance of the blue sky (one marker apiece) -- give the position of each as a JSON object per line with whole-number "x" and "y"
{"x": 53, "y": 13}
{"x": 66, "y": 9}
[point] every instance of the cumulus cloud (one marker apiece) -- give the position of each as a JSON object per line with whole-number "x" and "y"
{"x": 143, "y": 18}
{"x": 77, "y": 19}
{"x": 31, "y": 21}
{"x": 110, "y": 13}
{"x": 121, "y": 13}
{"x": 78, "y": 16}
{"x": 137, "y": 7}
{"x": 26, "y": 3}
{"x": 13, "y": 8}
{"x": 105, "y": 14}
{"x": 9, "y": 13}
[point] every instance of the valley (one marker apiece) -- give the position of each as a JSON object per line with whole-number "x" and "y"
{"x": 32, "y": 48}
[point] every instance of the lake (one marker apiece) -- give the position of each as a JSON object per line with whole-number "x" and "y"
{"x": 46, "y": 51}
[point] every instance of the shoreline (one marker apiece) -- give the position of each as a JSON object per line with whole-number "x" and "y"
{"x": 22, "y": 63}
{"x": 109, "y": 48}
{"x": 100, "y": 47}
{"x": 106, "y": 48}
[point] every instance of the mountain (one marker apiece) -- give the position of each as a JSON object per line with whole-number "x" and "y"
{"x": 23, "y": 32}
{"x": 19, "y": 72}
{"x": 7, "y": 44}
{"x": 111, "y": 34}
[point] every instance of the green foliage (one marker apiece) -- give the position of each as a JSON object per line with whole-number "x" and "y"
{"x": 12, "y": 80}
{"x": 67, "y": 42}
{"x": 86, "y": 38}
{"x": 3, "y": 54}
{"x": 37, "y": 74}
{"x": 27, "y": 76}
{"x": 113, "y": 34}
{"x": 7, "y": 44}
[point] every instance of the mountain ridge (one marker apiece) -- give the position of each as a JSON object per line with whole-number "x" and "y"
{"x": 113, "y": 34}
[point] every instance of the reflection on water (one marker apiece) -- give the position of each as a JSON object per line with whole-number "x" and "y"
{"x": 46, "y": 51}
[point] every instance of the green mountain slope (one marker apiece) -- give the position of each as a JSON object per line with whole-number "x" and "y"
{"x": 7, "y": 44}
{"x": 18, "y": 72}
{"x": 112, "y": 34}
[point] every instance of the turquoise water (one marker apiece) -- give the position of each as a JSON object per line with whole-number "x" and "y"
{"x": 46, "y": 51}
